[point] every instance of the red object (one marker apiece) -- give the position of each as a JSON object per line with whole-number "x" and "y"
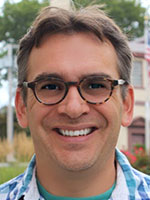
{"x": 147, "y": 49}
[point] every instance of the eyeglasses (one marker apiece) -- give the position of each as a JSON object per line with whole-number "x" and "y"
{"x": 92, "y": 89}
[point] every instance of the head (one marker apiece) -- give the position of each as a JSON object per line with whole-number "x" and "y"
{"x": 73, "y": 45}
{"x": 89, "y": 20}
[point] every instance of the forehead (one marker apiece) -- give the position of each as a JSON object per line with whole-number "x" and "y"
{"x": 73, "y": 55}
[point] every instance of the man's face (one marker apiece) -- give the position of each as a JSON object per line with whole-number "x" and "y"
{"x": 72, "y": 57}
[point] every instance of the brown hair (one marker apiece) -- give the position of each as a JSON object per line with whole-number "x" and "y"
{"x": 91, "y": 19}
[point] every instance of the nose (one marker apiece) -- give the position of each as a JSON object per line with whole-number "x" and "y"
{"x": 73, "y": 105}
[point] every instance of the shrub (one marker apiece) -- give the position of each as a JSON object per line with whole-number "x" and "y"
{"x": 5, "y": 149}
{"x": 139, "y": 159}
{"x": 22, "y": 148}
{"x": 132, "y": 158}
{"x": 7, "y": 173}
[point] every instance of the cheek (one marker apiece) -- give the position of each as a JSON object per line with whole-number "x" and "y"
{"x": 31, "y": 101}
{"x": 36, "y": 110}
{"x": 111, "y": 112}
{"x": 37, "y": 114}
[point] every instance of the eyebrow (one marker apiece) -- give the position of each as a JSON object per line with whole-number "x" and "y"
{"x": 96, "y": 74}
{"x": 58, "y": 76}
{"x": 47, "y": 75}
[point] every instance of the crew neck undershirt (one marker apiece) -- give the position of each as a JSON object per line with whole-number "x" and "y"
{"x": 47, "y": 196}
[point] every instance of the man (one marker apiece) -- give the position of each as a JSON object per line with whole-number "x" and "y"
{"x": 74, "y": 93}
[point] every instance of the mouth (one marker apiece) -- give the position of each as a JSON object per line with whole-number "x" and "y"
{"x": 75, "y": 133}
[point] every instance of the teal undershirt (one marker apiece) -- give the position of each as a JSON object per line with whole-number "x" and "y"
{"x": 48, "y": 196}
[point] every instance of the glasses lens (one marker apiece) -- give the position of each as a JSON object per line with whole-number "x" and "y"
{"x": 50, "y": 91}
{"x": 95, "y": 90}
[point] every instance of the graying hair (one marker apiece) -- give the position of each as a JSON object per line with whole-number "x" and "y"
{"x": 91, "y": 19}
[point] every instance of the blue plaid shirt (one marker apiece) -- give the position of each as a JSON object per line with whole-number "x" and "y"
{"x": 131, "y": 184}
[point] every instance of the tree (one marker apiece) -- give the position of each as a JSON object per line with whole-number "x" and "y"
{"x": 16, "y": 18}
{"x": 128, "y": 14}
{"x": 3, "y": 119}
{"x": 3, "y": 123}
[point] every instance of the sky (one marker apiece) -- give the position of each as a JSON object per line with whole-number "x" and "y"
{"x": 4, "y": 89}
{"x": 2, "y": 2}
{"x": 145, "y": 3}
{"x": 12, "y": 1}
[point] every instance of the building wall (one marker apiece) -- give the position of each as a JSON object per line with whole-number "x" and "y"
{"x": 141, "y": 93}
{"x": 123, "y": 139}
{"x": 61, "y": 4}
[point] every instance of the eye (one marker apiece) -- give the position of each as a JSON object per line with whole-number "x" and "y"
{"x": 96, "y": 85}
{"x": 50, "y": 87}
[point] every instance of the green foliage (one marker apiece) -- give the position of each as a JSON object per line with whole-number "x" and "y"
{"x": 128, "y": 14}
{"x": 7, "y": 173}
{"x": 142, "y": 162}
{"x": 3, "y": 123}
{"x": 84, "y": 3}
{"x": 139, "y": 159}
{"x": 2, "y": 54}
{"x": 17, "y": 18}
{"x": 3, "y": 75}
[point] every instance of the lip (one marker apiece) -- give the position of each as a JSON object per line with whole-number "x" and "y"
{"x": 75, "y": 127}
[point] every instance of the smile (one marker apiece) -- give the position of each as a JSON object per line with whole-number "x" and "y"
{"x": 75, "y": 133}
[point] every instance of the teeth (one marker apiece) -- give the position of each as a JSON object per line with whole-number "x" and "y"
{"x": 75, "y": 133}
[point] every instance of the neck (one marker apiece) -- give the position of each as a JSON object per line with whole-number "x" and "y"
{"x": 90, "y": 182}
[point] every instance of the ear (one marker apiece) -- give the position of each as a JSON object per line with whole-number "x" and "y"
{"x": 128, "y": 105}
{"x": 21, "y": 109}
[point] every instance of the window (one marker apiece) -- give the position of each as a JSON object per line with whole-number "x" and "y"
{"x": 136, "y": 76}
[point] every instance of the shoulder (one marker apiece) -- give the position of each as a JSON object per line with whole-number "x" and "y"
{"x": 14, "y": 188}
{"x": 143, "y": 182}
{"x": 137, "y": 182}
{"x": 10, "y": 187}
